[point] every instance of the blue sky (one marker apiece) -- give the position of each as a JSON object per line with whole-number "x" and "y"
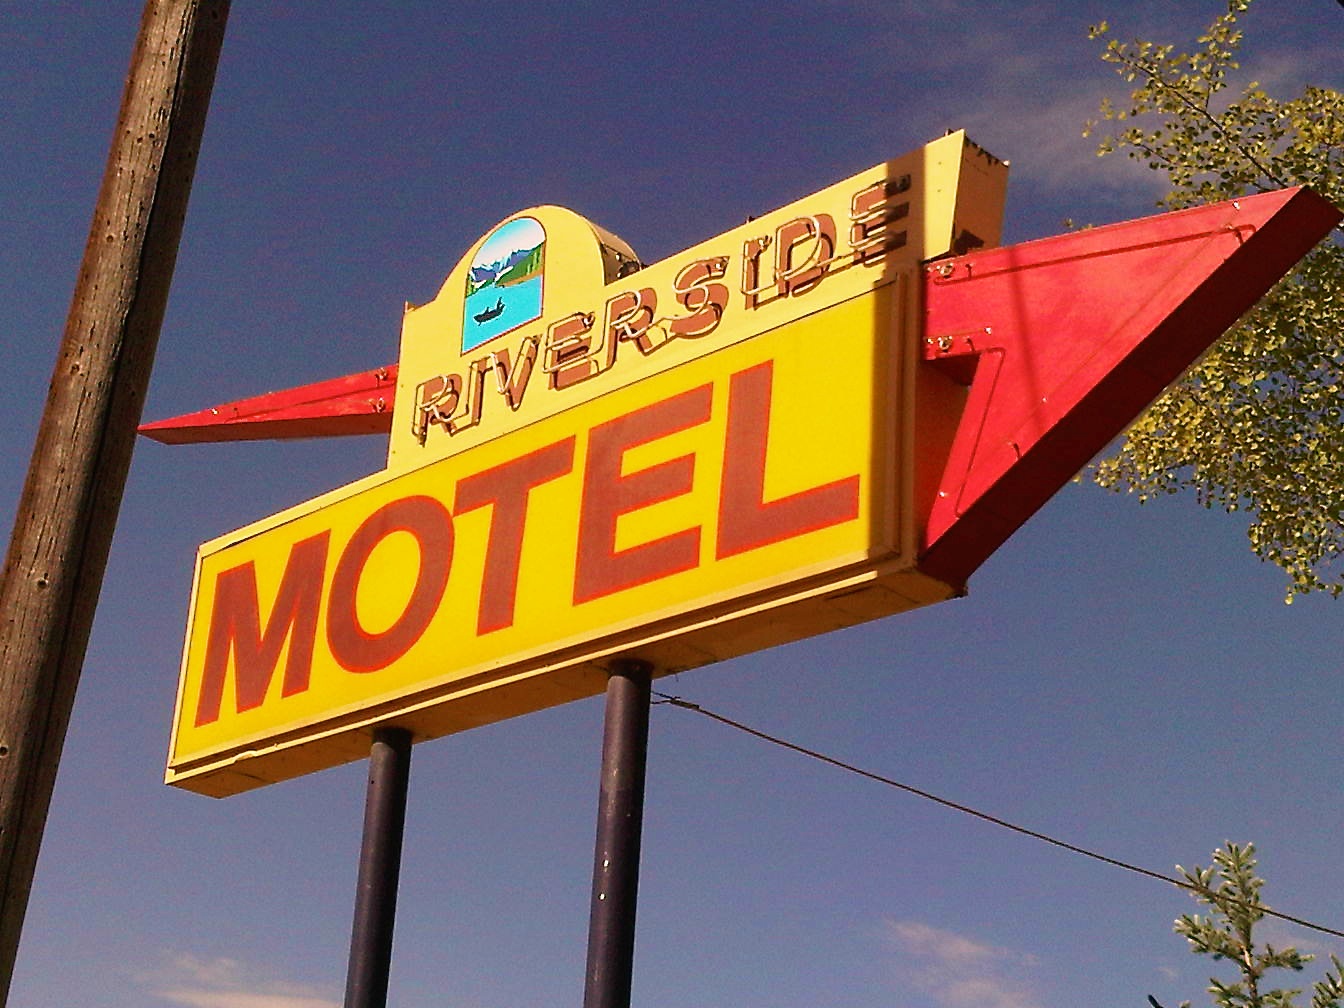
{"x": 1126, "y": 678}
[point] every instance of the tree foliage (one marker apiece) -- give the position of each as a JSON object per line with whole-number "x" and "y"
{"x": 1231, "y": 890}
{"x": 1257, "y": 425}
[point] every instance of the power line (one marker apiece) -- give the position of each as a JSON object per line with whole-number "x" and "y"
{"x": 674, "y": 701}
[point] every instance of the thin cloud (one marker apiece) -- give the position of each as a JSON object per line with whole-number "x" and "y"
{"x": 190, "y": 981}
{"x": 1023, "y": 101}
{"x": 1028, "y": 102}
{"x": 959, "y": 972}
{"x": 1044, "y": 138}
{"x": 240, "y": 999}
{"x": 1282, "y": 934}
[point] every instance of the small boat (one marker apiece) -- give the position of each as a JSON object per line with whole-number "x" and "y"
{"x": 490, "y": 313}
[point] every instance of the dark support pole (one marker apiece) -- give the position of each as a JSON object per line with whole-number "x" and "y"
{"x": 379, "y": 868}
{"x": 620, "y": 817}
{"x": 65, "y": 518}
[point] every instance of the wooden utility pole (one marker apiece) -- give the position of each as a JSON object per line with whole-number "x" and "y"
{"x": 68, "y": 510}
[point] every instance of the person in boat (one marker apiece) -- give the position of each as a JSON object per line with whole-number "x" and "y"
{"x": 490, "y": 313}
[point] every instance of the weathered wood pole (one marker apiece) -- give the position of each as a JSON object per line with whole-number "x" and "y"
{"x": 66, "y": 516}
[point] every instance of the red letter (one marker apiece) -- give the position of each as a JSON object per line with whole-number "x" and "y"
{"x": 705, "y": 300}
{"x": 746, "y": 520}
{"x": 506, "y": 488}
{"x": 571, "y": 353}
{"x": 429, "y": 522}
{"x": 607, "y": 494}
{"x": 794, "y": 274}
{"x": 235, "y": 624}
{"x": 630, "y": 316}
{"x": 511, "y": 377}
{"x": 871, "y": 217}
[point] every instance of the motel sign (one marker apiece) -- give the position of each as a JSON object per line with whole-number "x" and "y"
{"x": 830, "y": 414}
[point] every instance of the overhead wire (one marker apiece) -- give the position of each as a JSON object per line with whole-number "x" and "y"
{"x": 675, "y": 701}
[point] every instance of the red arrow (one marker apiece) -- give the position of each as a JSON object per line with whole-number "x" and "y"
{"x": 356, "y": 404}
{"x": 1064, "y": 341}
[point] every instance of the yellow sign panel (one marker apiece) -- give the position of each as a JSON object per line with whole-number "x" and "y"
{"x": 548, "y": 310}
{"x": 717, "y": 462}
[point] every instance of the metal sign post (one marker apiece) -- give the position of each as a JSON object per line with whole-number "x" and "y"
{"x": 620, "y": 817}
{"x": 379, "y": 869}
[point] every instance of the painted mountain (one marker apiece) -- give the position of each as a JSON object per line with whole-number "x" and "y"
{"x": 504, "y": 282}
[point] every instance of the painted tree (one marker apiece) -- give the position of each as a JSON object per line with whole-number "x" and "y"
{"x": 1230, "y": 889}
{"x": 1258, "y": 424}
